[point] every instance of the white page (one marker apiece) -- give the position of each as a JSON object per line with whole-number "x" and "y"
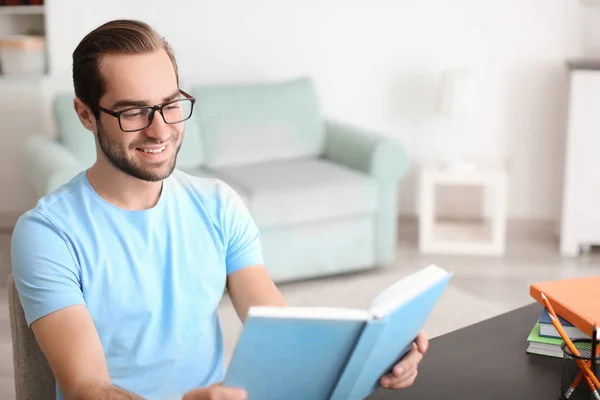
{"x": 406, "y": 289}
{"x": 310, "y": 313}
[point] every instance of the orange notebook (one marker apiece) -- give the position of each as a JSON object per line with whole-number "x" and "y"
{"x": 576, "y": 300}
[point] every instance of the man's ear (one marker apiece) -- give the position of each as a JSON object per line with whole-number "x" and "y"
{"x": 85, "y": 115}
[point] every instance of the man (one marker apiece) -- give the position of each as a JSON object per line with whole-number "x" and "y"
{"x": 121, "y": 270}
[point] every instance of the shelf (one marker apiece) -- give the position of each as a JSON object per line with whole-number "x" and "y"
{"x": 21, "y": 10}
{"x": 22, "y": 27}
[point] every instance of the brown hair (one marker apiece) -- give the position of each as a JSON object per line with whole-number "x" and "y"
{"x": 118, "y": 36}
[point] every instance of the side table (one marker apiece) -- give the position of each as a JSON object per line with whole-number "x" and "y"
{"x": 463, "y": 237}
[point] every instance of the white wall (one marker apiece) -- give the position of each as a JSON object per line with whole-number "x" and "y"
{"x": 591, "y": 28}
{"x": 376, "y": 65}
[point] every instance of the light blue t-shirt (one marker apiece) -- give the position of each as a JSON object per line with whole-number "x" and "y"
{"x": 151, "y": 280}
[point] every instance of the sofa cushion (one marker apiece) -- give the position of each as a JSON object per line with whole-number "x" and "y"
{"x": 294, "y": 192}
{"x": 71, "y": 132}
{"x": 249, "y": 123}
{"x": 319, "y": 249}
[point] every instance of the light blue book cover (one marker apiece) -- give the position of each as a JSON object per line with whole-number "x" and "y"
{"x": 332, "y": 353}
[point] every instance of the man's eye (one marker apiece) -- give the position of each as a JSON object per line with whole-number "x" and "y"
{"x": 134, "y": 114}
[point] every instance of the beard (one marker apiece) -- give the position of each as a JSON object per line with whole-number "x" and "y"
{"x": 117, "y": 156}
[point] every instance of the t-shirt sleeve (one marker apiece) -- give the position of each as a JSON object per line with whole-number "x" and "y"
{"x": 46, "y": 275}
{"x": 242, "y": 237}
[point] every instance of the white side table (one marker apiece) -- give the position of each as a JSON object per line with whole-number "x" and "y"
{"x": 463, "y": 237}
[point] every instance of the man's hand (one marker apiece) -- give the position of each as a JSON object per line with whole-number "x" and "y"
{"x": 405, "y": 372}
{"x": 216, "y": 392}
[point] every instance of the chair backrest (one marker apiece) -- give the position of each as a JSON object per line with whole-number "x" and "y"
{"x": 33, "y": 376}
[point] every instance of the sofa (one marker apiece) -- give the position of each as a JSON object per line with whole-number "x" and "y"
{"x": 322, "y": 192}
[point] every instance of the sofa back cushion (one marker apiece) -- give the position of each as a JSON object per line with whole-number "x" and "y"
{"x": 249, "y": 123}
{"x": 71, "y": 132}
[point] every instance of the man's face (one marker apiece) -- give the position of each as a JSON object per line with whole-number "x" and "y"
{"x": 133, "y": 80}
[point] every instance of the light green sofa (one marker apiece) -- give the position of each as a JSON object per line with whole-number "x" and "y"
{"x": 323, "y": 193}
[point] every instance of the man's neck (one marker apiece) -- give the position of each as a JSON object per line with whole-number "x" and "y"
{"x": 123, "y": 190}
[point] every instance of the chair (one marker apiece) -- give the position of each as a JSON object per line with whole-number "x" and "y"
{"x": 33, "y": 377}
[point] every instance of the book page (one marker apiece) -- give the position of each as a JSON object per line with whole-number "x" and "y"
{"x": 331, "y": 313}
{"x": 406, "y": 289}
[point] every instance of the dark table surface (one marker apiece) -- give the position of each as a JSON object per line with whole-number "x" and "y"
{"x": 487, "y": 360}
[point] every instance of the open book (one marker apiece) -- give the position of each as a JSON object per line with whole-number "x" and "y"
{"x": 332, "y": 353}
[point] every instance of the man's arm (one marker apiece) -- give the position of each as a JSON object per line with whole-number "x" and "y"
{"x": 248, "y": 281}
{"x": 252, "y": 286}
{"x": 47, "y": 280}
{"x": 70, "y": 342}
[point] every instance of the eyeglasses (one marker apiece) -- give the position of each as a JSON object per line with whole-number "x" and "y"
{"x": 138, "y": 118}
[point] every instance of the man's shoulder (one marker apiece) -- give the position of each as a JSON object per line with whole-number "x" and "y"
{"x": 53, "y": 206}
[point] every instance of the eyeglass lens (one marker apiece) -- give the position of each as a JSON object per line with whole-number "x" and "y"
{"x": 173, "y": 112}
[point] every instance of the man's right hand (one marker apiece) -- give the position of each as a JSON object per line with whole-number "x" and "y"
{"x": 216, "y": 392}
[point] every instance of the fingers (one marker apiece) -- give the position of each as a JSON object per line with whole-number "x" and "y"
{"x": 422, "y": 342}
{"x": 399, "y": 382}
{"x": 224, "y": 393}
{"x": 216, "y": 392}
{"x": 408, "y": 363}
{"x": 403, "y": 384}
{"x": 405, "y": 372}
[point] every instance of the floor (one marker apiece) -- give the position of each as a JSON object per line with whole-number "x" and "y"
{"x": 482, "y": 287}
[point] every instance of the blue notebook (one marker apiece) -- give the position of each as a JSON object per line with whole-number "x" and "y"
{"x": 548, "y": 330}
{"x": 545, "y": 319}
{"x": 332, "y": 353}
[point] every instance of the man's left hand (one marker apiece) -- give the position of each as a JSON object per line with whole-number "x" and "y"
{"x": 405, "y": 372}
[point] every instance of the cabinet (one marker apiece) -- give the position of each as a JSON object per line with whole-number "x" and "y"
{"x": 580, "y": 220}
{"x": 22, "y": 40}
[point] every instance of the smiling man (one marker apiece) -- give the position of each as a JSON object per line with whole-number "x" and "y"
{"x": 121, "y": 270}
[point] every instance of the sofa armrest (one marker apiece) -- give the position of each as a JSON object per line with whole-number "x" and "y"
{"x": 384, "y": 159}
{"x": 369, "y": 152}
{"x": 48, "y": 164}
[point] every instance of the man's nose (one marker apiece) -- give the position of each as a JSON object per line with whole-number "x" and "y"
{"x": 159, "y": 129}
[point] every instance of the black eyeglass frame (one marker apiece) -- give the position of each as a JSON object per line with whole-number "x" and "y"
{"x": 158, "y": 107}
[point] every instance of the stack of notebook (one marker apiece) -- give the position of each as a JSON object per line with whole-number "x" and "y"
{"x": 576, "y": 303}
{"x": 544, "y": 338}
{"x": 548, "y": 330}
{"x": 543, "y": 345}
